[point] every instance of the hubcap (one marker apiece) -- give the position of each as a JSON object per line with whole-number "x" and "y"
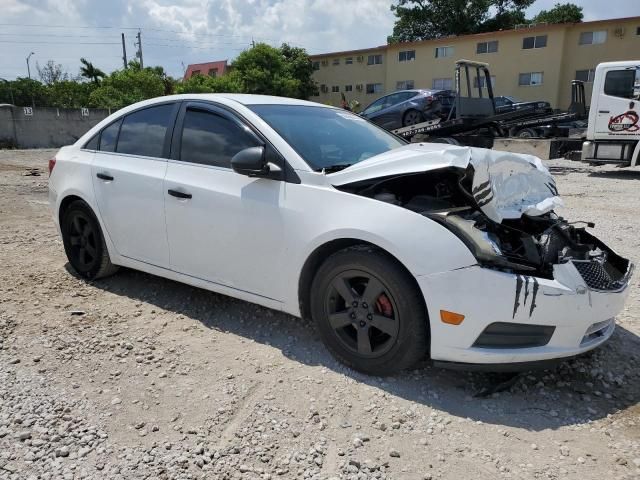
{"x": 412, "y": 118}
{"x": 83, "y": 241}
{"x": 362, "y": 313}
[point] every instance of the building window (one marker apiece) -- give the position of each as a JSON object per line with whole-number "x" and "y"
{"x": 348, "y": 60}
{"x": 213, "y": 72}
{"x": 487, "y": 47}
{"x": 336, "y": 61}
{"x": 444, "y": 52}
{"x": 442, "y": 84}
{"x": 316, "y": 65}
{"x": 335, "y": 89}
{"x": 534, "y": 42}
{"x": 348, "y": 88}
{"x": 637, "y": 30}
{"x": 530, "y": 79}
{"x": 195, "y": 72}
{"x": 374, "y": 60}
{"x": 593, "y": 38}
{"x": 374, "y": 88}
{"x": 324, "y": 88}
{"x": 407, "y": 56}
{"x": 585, "y": 75}
{"x": 404, "y": 85}
{"x": 481, "y": 82}
{"x": 325, "y": 63}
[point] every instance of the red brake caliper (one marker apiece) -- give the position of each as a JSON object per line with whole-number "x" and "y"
{"x": 383, "y": 304}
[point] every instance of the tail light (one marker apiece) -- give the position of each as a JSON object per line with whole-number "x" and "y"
{"x": 52, "y": 163}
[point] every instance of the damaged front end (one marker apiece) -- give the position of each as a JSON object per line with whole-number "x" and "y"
{"x": 502, "y": 207}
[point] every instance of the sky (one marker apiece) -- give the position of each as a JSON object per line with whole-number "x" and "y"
{"x": 178, "y": 32}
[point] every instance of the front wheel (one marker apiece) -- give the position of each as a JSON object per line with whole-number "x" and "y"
{"x": 412, "y": 117}
{"x": 84, "y": 243}
{"x": 369, "y": 312}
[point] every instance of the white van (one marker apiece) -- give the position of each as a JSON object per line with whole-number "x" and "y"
{"x": 613, "y": 132}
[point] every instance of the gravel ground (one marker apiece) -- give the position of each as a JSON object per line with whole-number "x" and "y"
{"x": 139, "y": 377}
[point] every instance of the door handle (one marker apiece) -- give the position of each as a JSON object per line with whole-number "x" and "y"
{"x": 104, "y": 176}
{"x": 604, "y": 111}
{"x": 178, "y": 194}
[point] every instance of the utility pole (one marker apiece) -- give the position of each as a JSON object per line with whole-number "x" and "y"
{"x": 124, "y": 52}
{"x": 253, "y": 43}
{"x": 139, "y": 45}
{"x": 29, "y": 68}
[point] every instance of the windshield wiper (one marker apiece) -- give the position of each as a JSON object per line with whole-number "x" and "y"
{"x": 335, "y": 168}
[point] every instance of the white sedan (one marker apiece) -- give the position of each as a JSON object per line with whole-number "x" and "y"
{"x": 397, "y": 251}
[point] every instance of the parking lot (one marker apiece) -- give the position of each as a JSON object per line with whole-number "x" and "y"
{"x": 135, "y": 376}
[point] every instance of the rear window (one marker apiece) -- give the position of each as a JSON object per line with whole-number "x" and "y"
{"x": 143, "y": 132}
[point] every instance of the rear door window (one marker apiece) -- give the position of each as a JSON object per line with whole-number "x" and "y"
{"x": 143, "y": 132}
{"x": 109, "y": 137}
{"x": 211, "y": 139}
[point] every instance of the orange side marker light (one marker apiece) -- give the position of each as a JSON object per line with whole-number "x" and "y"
{"x": 452, "y": 318}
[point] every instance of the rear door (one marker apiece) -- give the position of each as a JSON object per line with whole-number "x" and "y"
{"x": 128, "y": 173}
{"x": 617, "y": 109}
{"x": 223, "y": 227}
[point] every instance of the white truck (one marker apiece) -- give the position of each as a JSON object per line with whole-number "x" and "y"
{"x": 613, "y": 132}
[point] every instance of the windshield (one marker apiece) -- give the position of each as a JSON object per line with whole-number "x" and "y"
{"x": 327, "y": 137}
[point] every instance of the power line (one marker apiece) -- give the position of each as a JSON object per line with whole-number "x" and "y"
{"x": 58, "y": 43}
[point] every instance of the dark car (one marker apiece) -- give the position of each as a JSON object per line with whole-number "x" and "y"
{"x": 408, "y": 107}
{"x": 506, "y": 104}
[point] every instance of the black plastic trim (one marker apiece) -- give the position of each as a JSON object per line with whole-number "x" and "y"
{"x": 514, "y": 335}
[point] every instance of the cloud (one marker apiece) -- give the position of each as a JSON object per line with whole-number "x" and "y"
{"x": 192, "y": 31}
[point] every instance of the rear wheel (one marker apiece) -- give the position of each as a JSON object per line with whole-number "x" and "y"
{"x": 369, "y": 312}
{"x": 84, "y": 243}
{"x": 527, "y": 133}
{"x": 412, "y": 117}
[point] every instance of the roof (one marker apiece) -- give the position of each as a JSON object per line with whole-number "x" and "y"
{"x": 534, "y": 28}
{"x": 219, "y": 65}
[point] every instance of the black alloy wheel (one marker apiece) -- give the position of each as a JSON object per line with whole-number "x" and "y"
{"x": 412, "y": 117}
{"x": 362, "y": 313}
{"x": 83, "y": 242}
{"x": 369, "y": 311}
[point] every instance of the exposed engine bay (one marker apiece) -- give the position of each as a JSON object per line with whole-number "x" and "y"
{"x": 530, "y": 245}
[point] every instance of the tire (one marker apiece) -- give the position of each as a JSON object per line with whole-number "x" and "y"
{"x": 446, "y": 140}
{"x": 395, "y": 327}
{"x": 412, "y": 117}
{"x": 84, "y": 243}
{"x": 527, "y": 133}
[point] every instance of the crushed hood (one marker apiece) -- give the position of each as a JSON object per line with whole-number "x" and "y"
{"x": 505, "y": 185}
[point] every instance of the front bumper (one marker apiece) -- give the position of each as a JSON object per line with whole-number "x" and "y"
{"x": 583, "y": 317}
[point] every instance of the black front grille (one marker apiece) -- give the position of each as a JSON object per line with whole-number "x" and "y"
{"x": 598, "y": 277}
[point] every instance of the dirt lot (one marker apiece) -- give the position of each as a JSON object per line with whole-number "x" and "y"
{"x": 139, "y": 377}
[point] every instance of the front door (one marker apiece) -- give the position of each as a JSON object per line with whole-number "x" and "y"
{"x": 617, "y": 109}
{"x": 128, "y": 174}
{"x": 222, "y": 227}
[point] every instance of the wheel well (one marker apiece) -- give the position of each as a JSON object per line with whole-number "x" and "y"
{"x": 318, "y": 256}
{"x": 66, "y": 201}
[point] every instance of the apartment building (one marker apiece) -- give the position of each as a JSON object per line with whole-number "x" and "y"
{"x": 534, "y": 62}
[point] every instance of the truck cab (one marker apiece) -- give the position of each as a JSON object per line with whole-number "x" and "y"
{"x": 613, "y": 132}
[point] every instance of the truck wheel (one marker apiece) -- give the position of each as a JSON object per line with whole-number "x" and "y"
{"x": 527, "y": 133}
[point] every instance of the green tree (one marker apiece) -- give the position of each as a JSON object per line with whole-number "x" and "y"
{"x": 124, "y": 87}
{"x": 426, "y": 19}
{"x": 560, "y": 13}
{"x": 88, "y": 71}
{"x": 26, "y": 92}
{"x": 228, "y": 83}
{"x": 69, "y": 94}
{"x": 267, "y": 70}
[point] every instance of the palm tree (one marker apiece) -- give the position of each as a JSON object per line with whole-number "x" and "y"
{"x": 90, "y": 72}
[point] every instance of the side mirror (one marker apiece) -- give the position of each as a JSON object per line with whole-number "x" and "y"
{"x": 250, "y": 161}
